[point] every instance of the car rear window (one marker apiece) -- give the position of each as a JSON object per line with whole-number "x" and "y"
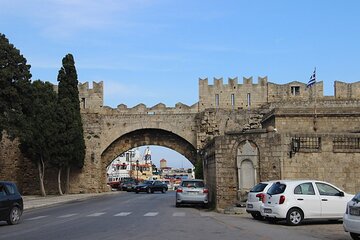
{"x": 195, "y": 184}
{"x": 356, "y": 198}
{"x": 277, "y": 188}
{"x": 259, "y": 187}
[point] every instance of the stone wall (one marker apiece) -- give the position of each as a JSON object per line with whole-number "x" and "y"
{"x": 276, "y": 162}
{"x": 327, "y": 164}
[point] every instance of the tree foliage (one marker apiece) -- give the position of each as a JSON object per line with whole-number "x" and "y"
{"x": 71, "y": 137}
{"x": 199, "y": 169}
{"x": 15, "y": 89}
{"x": 38, "y": 137}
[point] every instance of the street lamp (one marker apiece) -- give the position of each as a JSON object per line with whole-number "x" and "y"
{"x": 137, "y": 170}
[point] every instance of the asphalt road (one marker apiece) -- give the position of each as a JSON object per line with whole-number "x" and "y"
{"x": 131, "y": 216}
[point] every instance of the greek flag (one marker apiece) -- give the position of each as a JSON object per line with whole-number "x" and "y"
{"x": 312, "y": 80}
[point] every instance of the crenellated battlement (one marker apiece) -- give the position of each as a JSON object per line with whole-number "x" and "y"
{"x": 249, "y": 95}
{"x": 97, "y": 87}
{"x": 230, "y": 95}
{"x": 233, "y": 94}
{"x": 91, "y": 97}
{"x": 159, "y": 108}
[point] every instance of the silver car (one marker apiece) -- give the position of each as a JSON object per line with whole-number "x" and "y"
{"x": 351, "y": 220}
{"x": 256, "y": 197}
{"x": 192, "y": 192}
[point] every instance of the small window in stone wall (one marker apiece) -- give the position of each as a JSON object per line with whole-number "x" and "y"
{"x": 295, "y": 90}
{"x": 306, "y": 144}
{"x": 346, "y": 143}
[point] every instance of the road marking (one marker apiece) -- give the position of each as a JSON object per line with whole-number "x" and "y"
{"x": 151, "y": 214}
{"x": 67, "y": 215}
{"x": 96, "y": 214}
{"x": 122, "y": 214}
{"x": 35, "y": 218}
{"x": 179, "y": 214}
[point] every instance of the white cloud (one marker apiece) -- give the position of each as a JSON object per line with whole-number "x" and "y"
{"x": 63, "y": 18}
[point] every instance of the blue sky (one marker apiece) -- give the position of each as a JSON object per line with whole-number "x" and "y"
{"x": 154, "y": 51}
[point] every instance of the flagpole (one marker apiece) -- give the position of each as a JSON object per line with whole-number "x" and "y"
{"x": 315, "y": 113}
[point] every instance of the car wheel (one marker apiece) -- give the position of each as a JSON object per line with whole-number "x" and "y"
{"x": 294, "y": 216}
{"x": 355, "y": 236}
{"x": 177, "y": 204}
{"x": 14, "y": 216}
{"x": 136, "y": 191}
{"x": 163, "y": 190}
{"x": 257, "y": 216}
{"x": 148, "y": 190}
{"x": 152, "y": 191}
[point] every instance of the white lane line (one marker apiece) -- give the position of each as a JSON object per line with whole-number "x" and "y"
{"x": 67, "y": 215}
{"x": 36, "y": 218}
{"x": 179, "y": 214}
{"x": 96, "y": 214}
{"x": 122, "y": 214}
{"x": 151, "y": 214}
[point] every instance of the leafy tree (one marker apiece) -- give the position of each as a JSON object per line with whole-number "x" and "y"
{"x": 15, "y": 88}
{"x": 71, "y": 136}
{"x": 199, "y": 169}
{"x": 38, "y": 135}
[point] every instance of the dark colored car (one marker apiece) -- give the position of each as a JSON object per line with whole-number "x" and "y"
{"x": 11, "y": 203}
{"x": 151, "y": 187}
{"x": 127, "y": 184}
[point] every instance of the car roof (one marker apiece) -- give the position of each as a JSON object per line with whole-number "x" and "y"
{"x": 194, "y": 180}
{"x": 7, "y": 182}
{"x": 298, "y": 181}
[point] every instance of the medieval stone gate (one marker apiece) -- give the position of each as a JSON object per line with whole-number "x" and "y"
{"x": 241, "y": 133}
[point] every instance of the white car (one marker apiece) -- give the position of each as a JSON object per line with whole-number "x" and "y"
{"x": 255, "y": 199}
{"x": 296, "y": 200}
{"x": 351, "y": 219}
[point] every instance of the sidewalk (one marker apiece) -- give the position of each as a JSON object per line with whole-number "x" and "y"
{"x": 36, "y": 201}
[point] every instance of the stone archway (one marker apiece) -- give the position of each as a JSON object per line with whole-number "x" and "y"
{"x": 148, "y": 136}
{"x": 247, "y": 161}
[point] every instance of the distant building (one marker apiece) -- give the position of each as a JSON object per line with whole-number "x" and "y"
{"x": 163, "y": 164}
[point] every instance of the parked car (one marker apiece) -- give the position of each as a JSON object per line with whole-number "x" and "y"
{"x": 168, "y": 183}
{"x": 192, "y": 192}
{"x": 255, "y": 198}
{"x": 127, "y": 184}
{"x": 11, "y": 203}
{"x": 151, "y": 187}
{"x": 296, "y": 200}
{"x": 351, "y": 219}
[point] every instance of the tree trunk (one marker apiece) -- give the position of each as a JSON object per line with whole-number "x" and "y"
{"x": 59, "y": 182}
{"x": 67, "y": 189}
{"x": 40, "y": 165}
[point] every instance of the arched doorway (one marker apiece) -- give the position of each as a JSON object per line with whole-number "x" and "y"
{"x": 146, "y": 137}
{"x": 247, "y": 160}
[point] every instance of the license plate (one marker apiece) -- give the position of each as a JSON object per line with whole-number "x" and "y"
{"x": 249, "y": 206}
{"x": 355, "y": 211}
{"x": 192, "y": 193}
{"x": 267, "y": 210}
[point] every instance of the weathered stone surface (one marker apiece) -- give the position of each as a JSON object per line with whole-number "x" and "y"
{"x": 242, "y": 133}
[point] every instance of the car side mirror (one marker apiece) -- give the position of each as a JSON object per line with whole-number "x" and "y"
{"x": 341, "y": 194}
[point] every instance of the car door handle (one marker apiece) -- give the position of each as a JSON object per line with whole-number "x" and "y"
{"x": 300, "y": 199}
{"x": 324, "y": 199}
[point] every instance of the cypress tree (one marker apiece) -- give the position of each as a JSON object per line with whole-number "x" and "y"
{"x": 71, "y": 138}
{"x": 38, "y": 136}
{"x": 15, "y": 88}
